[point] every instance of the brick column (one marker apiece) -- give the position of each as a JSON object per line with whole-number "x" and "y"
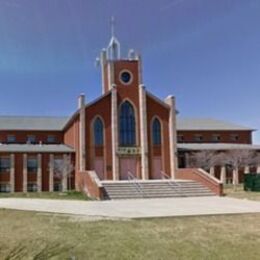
{"x": 51, "y": 172}
{"x": 170, "y": 100}
{"x": 114, "y": 127}
{"x": 39, "y": 173}
{"x": 64, "y": 174}
{"x": 144, "y": 133}
{"x": 12, "y": 172}
{"x": 223, "y": 174}
{"x": 25, "y": 172}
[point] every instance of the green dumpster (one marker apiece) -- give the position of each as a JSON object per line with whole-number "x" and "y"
{"x": 252, "y": 182}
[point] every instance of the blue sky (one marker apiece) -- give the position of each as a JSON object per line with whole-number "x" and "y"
{"x": 205, "y": 52}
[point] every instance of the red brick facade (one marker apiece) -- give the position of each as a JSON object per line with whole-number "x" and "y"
{"x": 112, "y": 160}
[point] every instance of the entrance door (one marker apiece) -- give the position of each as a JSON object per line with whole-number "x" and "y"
{"x": 127, "y": 165}
{"x": 157, "y": 168}
{"x": 99, "y": 167}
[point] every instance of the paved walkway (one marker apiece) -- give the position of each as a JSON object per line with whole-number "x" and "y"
{"x": 140, "y": 208}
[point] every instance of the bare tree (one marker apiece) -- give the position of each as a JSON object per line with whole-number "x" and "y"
{"x": 237, "y": 159}
{"x": 203, "y": 159}
{"x": 257, "y": 162}
{"x": 63, "y": 169}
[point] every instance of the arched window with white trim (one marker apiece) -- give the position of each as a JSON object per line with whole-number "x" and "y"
{"x": 127, "y": 125}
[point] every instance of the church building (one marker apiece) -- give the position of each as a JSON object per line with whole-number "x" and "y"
{"x": 127, "y": 130}
{"x": 127, "y": 135}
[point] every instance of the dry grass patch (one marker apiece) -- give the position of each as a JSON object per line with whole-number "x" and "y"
{"x": 29, "y": 235}
{"x": 69, "y": 195}
{"x": 238, "y": 192}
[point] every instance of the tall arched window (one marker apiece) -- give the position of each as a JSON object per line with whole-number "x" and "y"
{"x": 98, "y": 132}
{"x": 156, "y": 131}
{"x": 127, "y": 125}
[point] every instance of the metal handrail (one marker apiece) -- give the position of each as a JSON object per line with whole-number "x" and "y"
{"x": 136, "y": 184}
{"x": 166, "y": 177}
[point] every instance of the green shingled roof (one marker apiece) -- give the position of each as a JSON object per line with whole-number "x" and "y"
{"x": 32, "y": 123}
{"x": 207, "y": 124}
{"x": 57, "y": 123}
{"x": 217, "y": 146}
{"x": 36, "y": 148}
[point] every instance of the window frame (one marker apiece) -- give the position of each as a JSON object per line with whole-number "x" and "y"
{"x": 156, "y": 132}
{"x": 98, "y": 132}
{"x": 34, "y": 141}
{"x": 5, "y": 190}
{"x": 31, "y": 169}
{"x": 127, "y": 125}
{"x": 33, "y": 187}
{"x": 216, "y": 137}
{"x": 6, "y": 168}
{"x": 198, "y": 138}
{"x": 10, "y": 136}
{"x": 53, "y": 141}
{"x": 234, "y": 137}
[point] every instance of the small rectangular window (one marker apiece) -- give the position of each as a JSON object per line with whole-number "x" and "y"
{"x": 31, "y": 139}
{"x": 198, "y": 138}
{"x": 32, "y": 165}
{"x": 234, "y": 137}
{"x": 180, "y": 138}
{"x": 57, "y": 186}
{"x": 32, "y": 187}
{"x": 216, "y": 137}
{"x": 4, "y": 164}
{"x": 51, "y": 139}
{"x": 5, "y": 187}
{"x": 11, "y": 139}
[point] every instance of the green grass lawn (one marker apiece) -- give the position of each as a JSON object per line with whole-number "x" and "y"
{"x": 28, "y": 235}
{"x": 238, "y": 192}
{"x": 70, "y": 195}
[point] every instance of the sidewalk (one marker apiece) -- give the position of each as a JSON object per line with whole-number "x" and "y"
{"x": 141, "y": 208}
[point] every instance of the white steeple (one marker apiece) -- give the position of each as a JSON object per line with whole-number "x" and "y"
{"x": 113, "y": 48}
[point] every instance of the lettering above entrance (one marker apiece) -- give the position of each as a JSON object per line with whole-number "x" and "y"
{"x": 129, "y": 151}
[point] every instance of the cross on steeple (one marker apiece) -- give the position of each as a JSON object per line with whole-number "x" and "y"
{"x": 113, "y": 49}
{"x": 112, "y": 24}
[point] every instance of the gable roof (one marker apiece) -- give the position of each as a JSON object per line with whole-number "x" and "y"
{"x": 204, "y": 124}
{"x": 36, "y": 123}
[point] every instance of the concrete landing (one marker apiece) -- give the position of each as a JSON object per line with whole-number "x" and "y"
{"x": 141, "y": 208}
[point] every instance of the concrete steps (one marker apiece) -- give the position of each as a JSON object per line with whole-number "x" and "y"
{"x": 154, "y": 189}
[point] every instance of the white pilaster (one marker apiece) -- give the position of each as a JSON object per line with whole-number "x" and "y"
{"x": 235, "y": 173}
{"x": 258, "y": 169}
{"x": 65, "y": 174}
{"x": 223, "y": 174}
{"x": 51, "y": 172}
{"x": 25, "y": 172}
{"x": 140, "y": 72}
{"x": 111, "y": 76}
{"x": 39, "y": 172}
{"x": 103, "y": 62}
{"x": 143, "y": 133}
{"x": 12, "y": 173}
{"x": 247, "y": 169}
{"x": 212, "y": 171}
{"x": 172, "y": 135}
{"x": 114, "y": 126}
{"x": 82, "y": 133}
